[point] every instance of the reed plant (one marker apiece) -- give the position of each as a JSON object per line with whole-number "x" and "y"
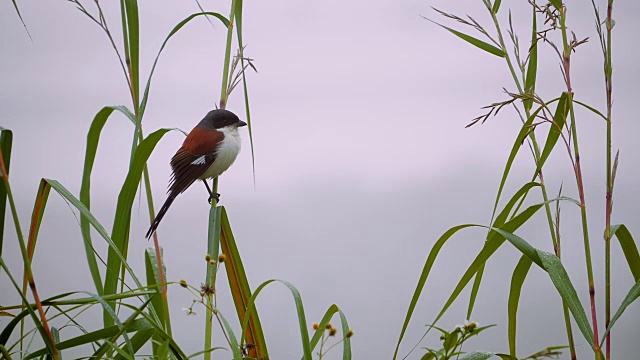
{"x": 555, "y": 121}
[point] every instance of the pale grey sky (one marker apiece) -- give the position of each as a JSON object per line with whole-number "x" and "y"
{"x": 362, "y": 160}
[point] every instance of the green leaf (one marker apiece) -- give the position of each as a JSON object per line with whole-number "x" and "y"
{"x": 555, "y": 130}
{"x": 490, "y": 246}
{"x": 557, "y": 4}
{"x": 450, "y": 341}
{"x": 477, "y": 355}
{"x": 122, "y": 221}
{"x": 238, "y": 284}
{"x": 473, "y": 41}
{"x": 496, "y": 6}
{"x": 131, "y": 37}
{"x": 346, "y": 346}
{"x": 302, "y": 321}
{"x": 93, "y": 137}
{"x": 95, "y": 336}
{"x": 632, "y": 296}
{"x": 565, "y": 288}
{"x": 15, "y": 6}
{"x": 6, "y": 140}
{"x": 629, "y": 248}
{"x": 158, "y": 302}
{"x": 532, "y": 68}
{"x": 517, "y": 280}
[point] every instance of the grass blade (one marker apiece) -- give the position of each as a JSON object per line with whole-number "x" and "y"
{"x": 496, "y": 6}
{"x": 15, "y": 6}
{"x": 555, "y": 130}
{"x": 532, "y": 68}
{"x": 473, "y": 41}
{"x": 240, "y": 289}
{"x": 629, "y": 248}
{"x": 498, "y": 222}
{"x": 517, "y": 280}
{"x": 302, "y": 321}
{"x": 158, "y": 302}
{"x": 632, "y": 296}
{"x": 560, "y": 279}
{"x": 6, "y": 141}
{"x": 95, "y": 336}
{"x": 93, "y": 137}
{"x": 122, "y": 221}
{"x": 477, "y": 355}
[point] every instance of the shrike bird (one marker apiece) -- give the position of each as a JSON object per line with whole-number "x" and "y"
{"x": 208, "y": 151}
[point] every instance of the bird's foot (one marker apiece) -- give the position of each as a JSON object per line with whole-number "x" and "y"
{"x": 214, "y": 196}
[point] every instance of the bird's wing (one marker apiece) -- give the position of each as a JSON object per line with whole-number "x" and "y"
{"x": 193, "y": 159}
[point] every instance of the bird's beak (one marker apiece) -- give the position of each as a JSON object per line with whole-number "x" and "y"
{"x": 241, "y": 123}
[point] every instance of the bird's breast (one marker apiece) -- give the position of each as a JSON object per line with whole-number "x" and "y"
{"x": 225, "y": 154}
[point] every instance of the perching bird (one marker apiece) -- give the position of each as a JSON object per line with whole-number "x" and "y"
{"x": 208, "y": 151}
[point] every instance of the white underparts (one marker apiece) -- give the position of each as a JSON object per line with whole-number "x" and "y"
{"x": 226, "y": 153}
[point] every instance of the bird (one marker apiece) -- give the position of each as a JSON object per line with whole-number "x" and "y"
{"x": 208, "y": 151}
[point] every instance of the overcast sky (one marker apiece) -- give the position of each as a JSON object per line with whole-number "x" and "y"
{"x": 362, "y": 160}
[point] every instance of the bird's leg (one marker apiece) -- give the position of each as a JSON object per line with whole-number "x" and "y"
{"x": 212, "y": 195}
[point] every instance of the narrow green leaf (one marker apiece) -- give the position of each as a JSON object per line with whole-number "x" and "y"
{"x": 477, "y": 355}
{"x": 555, "y": 130}
{"x": 239, "y": 285}
{"x": 95, "y": 336}
{"x": 522, "y": 135}
{"x": 473, "y": 41}
{"x": 632, "y": 296}
{"x": 15, "y": 6}
{"x": 565, "y": 288}
{"x": 532, "y": 68}
{"x": 494, "y": 241}
{"x": 302, "y": 321}
{"x": 557, "y": 4}
{"x": 629, "y": 248}
{"x": 517, "y": 280}
{"x": 450, "y": 341}
{"x": 131, "y": 32}
{"x": 346, "y": 353}
{"x": 93, "y": 137}
{"x": 138, "y": 340}
{"x": 433, "y": 254}
{"x": 346, "y": 344}
{"x": 238, "y": 21}
{"x": 496, "y": 6}
{"x": 6, "y": 140}
{"x": 5, "y": 353}
{"x": 491, "y": 245}
{"x": 122, "y": 221}
{"x": 158, "y": 302}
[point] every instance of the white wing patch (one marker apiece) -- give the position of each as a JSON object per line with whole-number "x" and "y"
{"x": 199, "y": 161}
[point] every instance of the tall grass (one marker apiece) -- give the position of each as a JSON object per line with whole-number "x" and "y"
{"x": 550, "y": 27}
{"x": 122, "y": 291}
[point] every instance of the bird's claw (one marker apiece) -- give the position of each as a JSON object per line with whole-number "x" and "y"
{"x": 214, "y": 196}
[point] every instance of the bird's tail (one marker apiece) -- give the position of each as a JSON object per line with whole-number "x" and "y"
{"x": 160, "y": 215}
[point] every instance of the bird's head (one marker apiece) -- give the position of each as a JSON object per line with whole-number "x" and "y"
{"x": 220, "y": 118}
